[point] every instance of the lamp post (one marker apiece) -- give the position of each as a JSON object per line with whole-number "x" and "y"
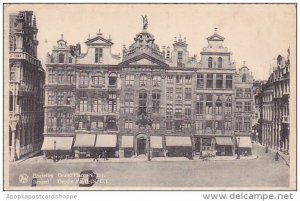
{"x": 238, "y": 149}
{"x": 54, "y": 157}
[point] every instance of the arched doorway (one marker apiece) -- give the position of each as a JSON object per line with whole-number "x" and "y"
{"x": 141, "y": 144}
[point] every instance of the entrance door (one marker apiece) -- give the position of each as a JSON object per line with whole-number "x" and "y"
{"x": 141, "y": 146}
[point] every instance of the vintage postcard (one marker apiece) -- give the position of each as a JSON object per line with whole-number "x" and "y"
{"x": 149, "y": 96}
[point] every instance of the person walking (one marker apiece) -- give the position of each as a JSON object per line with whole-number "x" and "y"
{"x": 105, "y": 155}
{"x": 96, "y": 157}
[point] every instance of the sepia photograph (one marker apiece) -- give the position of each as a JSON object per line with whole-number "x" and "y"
{"x": 149, "y": 96}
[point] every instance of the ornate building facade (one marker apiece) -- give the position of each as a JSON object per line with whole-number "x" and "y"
{"x": 190, "y": 103}
{"x": 26, "y": 86}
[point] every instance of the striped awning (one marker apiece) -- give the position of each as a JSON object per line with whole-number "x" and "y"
{"x": 85, "y": 140}
{"x": 127, "y": 142}
{"x": 57, "y": 143}
{"x": 106, "y": 140}
{"x": 178, "y": 141}
{"x": 156, "y": 142}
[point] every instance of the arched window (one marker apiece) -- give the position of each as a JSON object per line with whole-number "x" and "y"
{"x": 220, "y": 62}
{"x": 97, "y": 79}
{"x": 61, "y": 58}
{"x": 209, "y": 62}
{"x": 112, "y": 79}
{"x": 244, "y": 78}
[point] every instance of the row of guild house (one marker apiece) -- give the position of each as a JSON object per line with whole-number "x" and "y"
{"x": 97, "y": 101}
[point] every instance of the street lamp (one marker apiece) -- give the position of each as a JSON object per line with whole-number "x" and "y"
{"x": 238, "y": 148}
{"x": 54, "y": 157}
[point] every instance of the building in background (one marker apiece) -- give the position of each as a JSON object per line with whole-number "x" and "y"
{"x": 273, "y": 101}
{"x": 26, "y": 86}
{"x": 82, "y": 99}
{"x": 243, "y": 108}
{"x": 96, "y": 101}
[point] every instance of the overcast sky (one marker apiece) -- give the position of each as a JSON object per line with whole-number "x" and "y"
{"x": 253, "y": 33}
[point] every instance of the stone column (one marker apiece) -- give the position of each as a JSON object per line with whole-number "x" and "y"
{"x": 13, "y": 146}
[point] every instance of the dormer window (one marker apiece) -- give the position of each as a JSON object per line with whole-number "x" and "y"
{"x": 209, "y": 62}
{"x": 98, "y": 55}
{"x": 61, "y": 58}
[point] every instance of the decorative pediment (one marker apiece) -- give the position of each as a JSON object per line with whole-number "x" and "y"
{"x": 215, "y": 37}
{"x": 98, "y": 41}
{"x": 144, "y": 59}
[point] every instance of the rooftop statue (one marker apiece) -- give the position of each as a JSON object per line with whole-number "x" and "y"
{"x": 145, "y": 22}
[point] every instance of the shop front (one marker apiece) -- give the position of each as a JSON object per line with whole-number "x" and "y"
{"x": 106, "y": 145}
{"x": 126, "y": 148}
{"x": 244, "y": 144}
{"x": 224, "y": 146}
{"x": 156, "y": 146}
{"x": 57, "y": 147}
{"x": 177, "y": 146}
{"x": 85, "y": 146}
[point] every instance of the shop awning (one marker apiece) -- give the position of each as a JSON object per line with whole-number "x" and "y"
{"x": 224, "y": 141}
{"x": 178, "y": 141}
{"x": 244, "y": 141}
{"x": 127, "y": 142}
{"x": 156, "y": 142}
{"x": 57, "y": 143}
{"x": 85, "y": 140}
{"x": 109, "y": 140}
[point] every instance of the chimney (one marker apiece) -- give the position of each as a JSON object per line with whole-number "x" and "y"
{"x": 168, "y": 52}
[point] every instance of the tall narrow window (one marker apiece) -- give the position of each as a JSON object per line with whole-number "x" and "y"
{"x": 248, "y": 93}
{"x": 178, "y": 79}
{"x": 83, "y": 106}
{"x": 247, "y": 123}
{"x": 228, "y": 81}
{"x": 219, "y": 81}
{"x": 129, "y": 102}
{"x": 220, "y": 62}
{"x": 60, "y": 76}
{"x": 239, "y": 93}
{"x": 156, "y": 81}
{"x": 61, "y": 58}
{"x": 98, "y": 105}
{"x": 228, "y": 124}
{"x": 209, "y": 104}
{"x": 188, "y": 111}
{"x": 142, "y": 103}
{"x": 247, "y": 107}
{"x": 179, "y": 58}
{"x": 143, "y": 80}
{"x": 169, "y": 79}
{"x": 239, "y": 106}
{"x": 209, "y": 62}
{"x": 209, "y": 81}
{"x": 218, "y": 108}
{"x": 155, "y": 102}
{"x": 239, "y": 123}
{"x": 200, "y": 81}
{"x": 228, "y": 105}
{"x": 98, "y": 55}
{"x": 51, "y": 76}
{"x": 188, "y": 93}
{"x": 169, "y": 110}
{"x": 70, "y": 77}
{"x": 244, "y": 78}
{"x": 112, "y": 102}
{"x": 200, "y": 104}
{"x": 188, "y": 79}
{"x": 84, "y": 79}
{"x": 169, "y": 125}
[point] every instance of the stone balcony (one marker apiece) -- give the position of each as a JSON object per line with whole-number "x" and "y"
{"x": 25, "y": 56}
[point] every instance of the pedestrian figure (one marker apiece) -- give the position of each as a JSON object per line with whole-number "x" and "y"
{"x": 267, "y": 149}
{"x": 96, "y": 158}
{"x": 277, "y": 156}
{"x": 105, "y": 155}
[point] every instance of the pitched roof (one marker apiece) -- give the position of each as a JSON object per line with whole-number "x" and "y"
{"x": 215, "y": 37}
{"x": 99, "y": 41}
